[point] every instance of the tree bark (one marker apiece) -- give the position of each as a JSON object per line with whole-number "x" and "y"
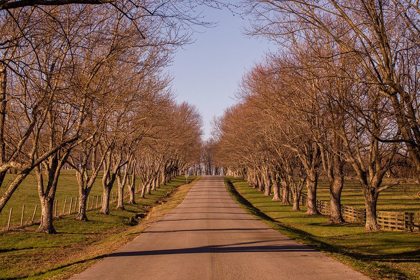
{"x": 267, "y": 184}
{"x": 46, "y": 192}
{"x": 371, "y": 199}
{"x": 154, "y": 184}
{"x": 158, "y": 181}
{"x": 260, "y": 183}
{"x": 120, "y": 200}
{"x": 106, "y": 194}
{"x": 3, "y": 105}
{"x": 276, "y": 191}
{"x": 286, "y": 193}
{"x": 296, "y": 199}
{"x": 336, "y": 187}
{"x": 164, "y": 177}
{"x": 312, "y": 184}
{"x": 149, "y": 188}
{"x": 132, "y": 190}
{"x": 46, "y": 226}
{"x": 83, "y": 195}
{"x": 143, "y": 190}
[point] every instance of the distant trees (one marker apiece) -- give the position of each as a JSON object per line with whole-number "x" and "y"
{"x": 343, "y": 90}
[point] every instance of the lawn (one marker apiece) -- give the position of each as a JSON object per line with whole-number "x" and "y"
{"x": 27, "y": 194}
{"x": 402, "y": 197}
{"x": 26, "y": 254}
{"x": 380, "y": 255}
{"x": 67, "y": 190}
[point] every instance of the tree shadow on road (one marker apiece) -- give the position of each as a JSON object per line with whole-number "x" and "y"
{"x": 247, "y": 247}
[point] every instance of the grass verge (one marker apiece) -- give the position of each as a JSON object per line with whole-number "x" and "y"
{"x": 380, "y": 255}
{"x": 78, "y": 245}
{"x": 402, "y": 197}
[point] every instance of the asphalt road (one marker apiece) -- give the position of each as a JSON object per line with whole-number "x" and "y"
{"x": 208, "y": 236}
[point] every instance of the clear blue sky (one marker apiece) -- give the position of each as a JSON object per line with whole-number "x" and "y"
{"x": 207, "y": 73}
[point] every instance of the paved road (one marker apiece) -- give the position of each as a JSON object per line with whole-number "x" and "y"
{"x": 208, "y": 236}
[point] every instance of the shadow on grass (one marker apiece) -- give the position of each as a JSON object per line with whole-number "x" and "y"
{"x": 378, "y": 261}
{"x": 18, "y": 249}
{"x": 335, "y": 225}
{"x": 59, "y": 267}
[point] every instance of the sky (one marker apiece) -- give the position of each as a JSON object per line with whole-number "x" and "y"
{"x": 208, "y": 72}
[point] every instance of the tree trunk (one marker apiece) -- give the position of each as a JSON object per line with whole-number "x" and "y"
{"x": 46, "y": 226}
{"x": 336, "y": 186}
{"x": 286, "y": 193}
{"x": 296, "y": 199}
{"x": 312, "y": 184}
{"x": 158, "y": 182}
{"x": 154, "y": 183}
{"x": 276, "y": 191}
{"x": 164, "y": 177}
{"x": 252, "y": 181}
{"x": 106, "y": 194}
{"x": 143, "y": 190}
{"x": 267, "y": 185}
{"x": 3, "y": 104}
{"x": 260, "y": 183}
{"x": 132, "y": 199}
{"x": 120, "y": 199}
{"x": 47, "y": 190}
{"x": 149, "y": 188}
{"x": 371, "y": 198}
{"x": 132, "y": 190}
{"x": 83, "y": 196}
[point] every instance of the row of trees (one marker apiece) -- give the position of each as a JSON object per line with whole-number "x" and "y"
{"x": 342, "y": 90}
{"x": 83, "y": 86}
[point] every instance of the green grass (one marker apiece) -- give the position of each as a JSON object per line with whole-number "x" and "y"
{"x": 380, "y": 255}
{"x": 402, "y": 197}
{"x": 26, "y": 254}
{"x": 27, "y": 194}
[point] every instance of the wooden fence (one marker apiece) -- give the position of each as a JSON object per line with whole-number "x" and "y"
{"x": 28, "y": 217}
{"x": 399, "y": 221}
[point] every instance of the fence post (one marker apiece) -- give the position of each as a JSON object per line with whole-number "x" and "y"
{"x": 33, "y": 216}
{"x": 409, "y": 221}
{"x": 23, "y": 213}
{"x": 64, "y": 207}
{"x": 10, "y": 218}
{"x": 71, "y": 205}
{"x": 56, "y": 206}
{"x": 96, "y": 205}
{"x": 75, "y": 204}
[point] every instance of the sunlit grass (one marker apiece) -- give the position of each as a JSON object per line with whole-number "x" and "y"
{"x": 402, "y": 197}
{"x": 27, "y": 194}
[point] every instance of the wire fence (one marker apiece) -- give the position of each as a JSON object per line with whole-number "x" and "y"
{"x": 28, "y": 215}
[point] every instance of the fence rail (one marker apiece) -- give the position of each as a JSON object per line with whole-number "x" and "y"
{"x": 398, "y": 221}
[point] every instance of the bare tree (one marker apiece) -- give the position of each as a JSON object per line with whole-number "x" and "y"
{"x": 382, "y": 36}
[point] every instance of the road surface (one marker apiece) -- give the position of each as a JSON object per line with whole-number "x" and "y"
{"x": 208, "y": 236}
